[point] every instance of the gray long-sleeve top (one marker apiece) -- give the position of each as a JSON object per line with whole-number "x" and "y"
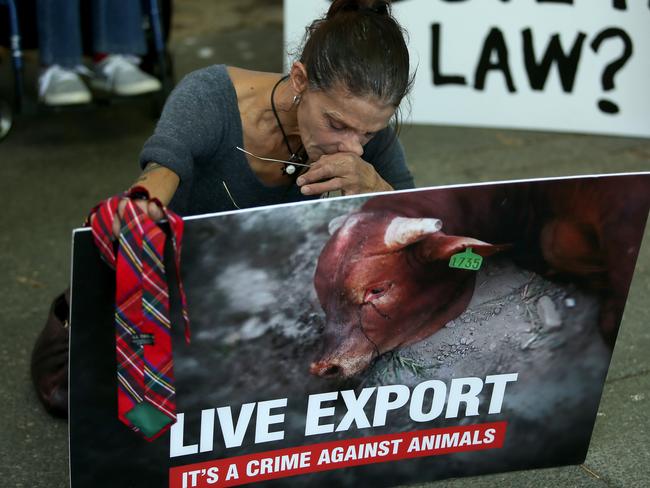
{"x": 196, "y": 138}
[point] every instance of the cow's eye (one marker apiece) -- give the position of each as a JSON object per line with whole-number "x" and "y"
{"x": 376, "y": 291}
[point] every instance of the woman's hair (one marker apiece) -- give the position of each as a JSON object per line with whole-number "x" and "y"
{"x": 359, "y": 46}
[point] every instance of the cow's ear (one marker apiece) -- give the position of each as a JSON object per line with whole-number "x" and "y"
{"x": 404, "y": 231}
{"x": 443, "y": 247}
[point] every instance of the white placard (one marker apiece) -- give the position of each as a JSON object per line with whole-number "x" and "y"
{"x": 481, "y": 62}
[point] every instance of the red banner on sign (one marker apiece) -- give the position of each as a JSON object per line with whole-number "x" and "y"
{"x": 326, "y": 456}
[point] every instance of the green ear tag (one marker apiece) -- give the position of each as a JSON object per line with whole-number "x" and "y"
{"x": 466, "y": 260}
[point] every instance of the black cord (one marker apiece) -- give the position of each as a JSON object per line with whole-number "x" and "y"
{"x": 277, "y": 118}
{"x": 294, "y": 157}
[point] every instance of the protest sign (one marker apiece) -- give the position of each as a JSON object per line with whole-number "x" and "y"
{"x": 333, "y": 343}
{"x": 560, "y": 65}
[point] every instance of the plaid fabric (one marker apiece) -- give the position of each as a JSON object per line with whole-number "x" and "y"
{"x": 145, "y": 377}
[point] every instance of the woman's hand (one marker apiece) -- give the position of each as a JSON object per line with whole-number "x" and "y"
{"x": 345, "y": 172}
{"x": 160, "y": 182}
{"x": 150, "y": 208}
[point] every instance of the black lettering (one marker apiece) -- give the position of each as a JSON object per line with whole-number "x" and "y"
{"x": 567, "y": 64}
{"x": 436, "y": 49}
{"x": 613, "y": 67}
{"x": 494, "y": 43}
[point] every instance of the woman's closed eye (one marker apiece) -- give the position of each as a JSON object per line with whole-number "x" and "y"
{"x": 341, "y": 127}
{"x": 337, "y": 125}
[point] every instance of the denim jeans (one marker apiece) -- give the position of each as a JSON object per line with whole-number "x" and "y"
{"x": 116, "y": 29}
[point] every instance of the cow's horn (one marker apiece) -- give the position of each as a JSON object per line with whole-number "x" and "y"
{"x": 403, "y": 231}
{"x": 336, "y": 223}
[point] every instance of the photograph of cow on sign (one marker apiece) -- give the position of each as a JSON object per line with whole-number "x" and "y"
{"x": 380, "y": 340}
{"x": 385, "y": 278}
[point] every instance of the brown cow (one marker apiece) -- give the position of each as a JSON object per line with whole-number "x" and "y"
{"x": 384, "y": 281}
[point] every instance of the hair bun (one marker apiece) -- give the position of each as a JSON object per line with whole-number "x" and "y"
{"x": 380, "y": 7}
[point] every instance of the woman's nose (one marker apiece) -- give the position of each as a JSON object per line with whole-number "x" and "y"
{"x": 351, "y": 143}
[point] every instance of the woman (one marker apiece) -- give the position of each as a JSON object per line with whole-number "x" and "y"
{"x": 210, "y": 151}
{"x": 328, "y": 119}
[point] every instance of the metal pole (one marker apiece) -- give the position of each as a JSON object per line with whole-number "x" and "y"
{"x": 159, "y": 41}
{"x": 16, "y": 55}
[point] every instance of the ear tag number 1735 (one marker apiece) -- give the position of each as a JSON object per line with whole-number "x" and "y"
{"x": 466, "y": 260}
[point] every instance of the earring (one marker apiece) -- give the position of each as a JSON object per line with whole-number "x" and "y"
{"x": 296, "y": 100}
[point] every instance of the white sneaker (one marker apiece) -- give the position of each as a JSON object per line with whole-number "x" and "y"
{"x": 62, "y": 86}
{"x": 119, "y": 74}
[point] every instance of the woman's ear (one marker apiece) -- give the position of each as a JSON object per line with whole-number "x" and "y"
{"x": 298, "y": 77}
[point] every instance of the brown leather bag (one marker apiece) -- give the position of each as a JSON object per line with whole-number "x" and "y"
{"x": 49, "y": 366}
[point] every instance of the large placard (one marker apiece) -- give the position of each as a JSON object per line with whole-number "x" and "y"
{"x": 560, "y": 65}
{"x": 405, "y": 337}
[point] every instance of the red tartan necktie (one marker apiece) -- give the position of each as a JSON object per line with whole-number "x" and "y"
{"x": 145, "y": 376}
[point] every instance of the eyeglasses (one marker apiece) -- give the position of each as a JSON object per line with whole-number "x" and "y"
{"x": 271, "y": 159}
{"x": 323, "y": 195}
{"x": 229, "y": 195}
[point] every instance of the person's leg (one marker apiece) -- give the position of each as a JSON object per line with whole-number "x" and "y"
{"x": 59, "y": 41}
{"x": 119, "y": 35}
{"x": 117, "y": 27}
{"x": 59, "y": 32}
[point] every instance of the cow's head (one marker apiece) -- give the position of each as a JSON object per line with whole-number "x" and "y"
{"x": 384, "y": 281}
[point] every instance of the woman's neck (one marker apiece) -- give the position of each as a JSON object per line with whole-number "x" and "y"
{"x": 262, "y": 134}
{"x": 280, "y": 96}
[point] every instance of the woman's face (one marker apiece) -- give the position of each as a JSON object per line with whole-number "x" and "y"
{"x": 333, "y": 121}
